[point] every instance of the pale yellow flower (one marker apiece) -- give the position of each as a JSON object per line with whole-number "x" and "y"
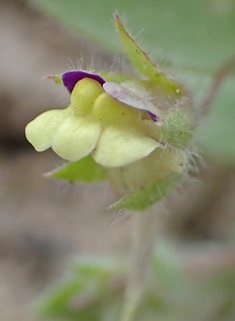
{"x": 113, "y": 132}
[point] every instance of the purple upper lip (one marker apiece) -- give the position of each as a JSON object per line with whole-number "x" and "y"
{"x": 70, "y": 78}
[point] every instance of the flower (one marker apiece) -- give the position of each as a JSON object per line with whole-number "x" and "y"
{"x": 115, "y": 133}
{"x": 108, "y": 120}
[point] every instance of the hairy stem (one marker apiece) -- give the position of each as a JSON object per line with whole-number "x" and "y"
{"x": 143, "y": 243}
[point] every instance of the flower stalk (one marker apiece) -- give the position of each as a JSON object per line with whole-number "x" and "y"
{"x": 144, "y": 234}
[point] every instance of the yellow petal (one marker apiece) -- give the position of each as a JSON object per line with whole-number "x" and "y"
{"x": 108, "y": 109}
{"x": 41, "y": 130}
{"x": 84, "y": 94}
{"x": 76, "y": 137}
{"x": 121, "y": 146}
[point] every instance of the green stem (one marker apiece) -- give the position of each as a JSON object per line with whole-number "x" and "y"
{"x": 143, "y": 243}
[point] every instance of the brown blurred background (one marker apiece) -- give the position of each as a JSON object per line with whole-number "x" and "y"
{"x": 43, "y": 222}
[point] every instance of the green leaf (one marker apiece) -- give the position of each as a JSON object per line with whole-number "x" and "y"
{"x": 84, "y": 170}
{"x": 148, "y": 195}
{"x": 55, "y": 304}
{"x": 194, "y": 34}
{"x": 101, "y": 267}
{"x": 87, "y": 294}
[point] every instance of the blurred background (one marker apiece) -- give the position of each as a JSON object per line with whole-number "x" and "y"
{"x": 43, "y": 222}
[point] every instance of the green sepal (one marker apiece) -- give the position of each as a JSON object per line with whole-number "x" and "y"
{"x": 57, "y": 79}
{"x": 141, "y": 199}
{"x": 142, "y": 63}
{"x": 177, "y": 128}
{"x": 83, "y": 170}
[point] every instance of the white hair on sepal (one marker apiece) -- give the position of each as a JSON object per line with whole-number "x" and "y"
{"x": 120, "y": 215}
{"x": 195, "y": 158}
{"x": 119, "y": 64}
{"x": 81, "y": 65}
{"x": 62, "y": 187}
{"x": 97, "y": 66}
{"x": 71, "y": 65}
{"x": 188, "y": 179}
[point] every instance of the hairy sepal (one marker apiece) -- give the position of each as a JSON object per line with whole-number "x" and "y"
{"x": 177, "y": 128}
{"x": 57, "y": 79}
{"x": 142, "y": 63}
{"x": 148, "y": 195}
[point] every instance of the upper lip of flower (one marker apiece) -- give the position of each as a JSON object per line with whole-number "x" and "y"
{"x": 117, "y": 91}
{"x": 70, "y": 78}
